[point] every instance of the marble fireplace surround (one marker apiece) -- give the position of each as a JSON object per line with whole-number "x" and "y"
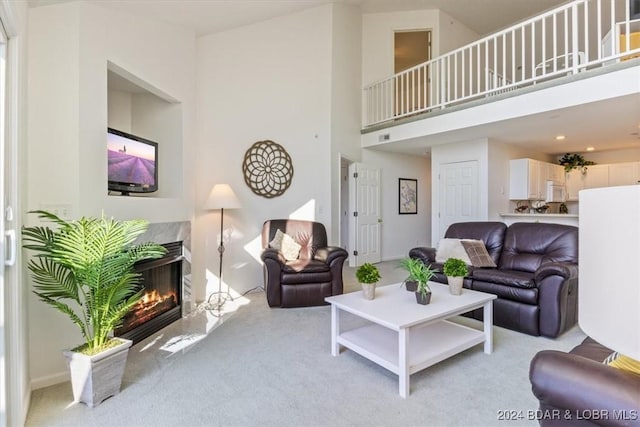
{"x": 168, "y": 232}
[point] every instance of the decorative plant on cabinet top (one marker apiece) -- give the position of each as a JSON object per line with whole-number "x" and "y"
{"x": 574, "y": 161}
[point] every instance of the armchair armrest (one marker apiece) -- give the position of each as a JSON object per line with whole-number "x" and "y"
{"x": 565, "y": 270}
{"x": 330, "y": 253}
{"x": 272, "y": 254}
{"x": 427, "y": 255}
{"x": 582, "y": 386}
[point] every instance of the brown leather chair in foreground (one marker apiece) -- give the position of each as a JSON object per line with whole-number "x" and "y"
{"x": 578, "y": 389}
{"x": 306, "y": 279}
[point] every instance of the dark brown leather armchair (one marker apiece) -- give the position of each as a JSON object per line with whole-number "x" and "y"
{"x": 306, "y": 281}
{"x": 577, "y": 389}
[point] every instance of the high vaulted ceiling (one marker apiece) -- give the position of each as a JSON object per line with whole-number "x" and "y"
{"x": 610, "y": 125}
{"x": 210, "y": 16}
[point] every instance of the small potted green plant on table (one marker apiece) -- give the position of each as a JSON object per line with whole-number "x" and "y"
{"x": 414, "y": 267}
{"x": 455, "y": 269}
{"x": 422, "y": 274}
{"x": 368, "y": 275}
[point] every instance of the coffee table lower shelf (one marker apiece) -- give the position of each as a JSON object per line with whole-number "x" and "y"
{"x": 429, "y": 344}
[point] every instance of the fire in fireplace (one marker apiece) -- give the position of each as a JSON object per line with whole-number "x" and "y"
{"x": 161, "y": 302}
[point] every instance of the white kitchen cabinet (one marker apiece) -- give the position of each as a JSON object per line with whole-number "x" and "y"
{"x": 627, "y": 173}
{"x": 528, "y": 178}
{"x": 554, "y": 173}
{"x": 574, "y": 183}
{"x": 525, "y": 180}
{"x": 595, "y": 176}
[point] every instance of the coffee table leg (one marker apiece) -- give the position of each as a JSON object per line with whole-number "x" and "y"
{"x": 488, "y": 327}
{"x": 403, "y": 362}
{"x": 335, "y": 330}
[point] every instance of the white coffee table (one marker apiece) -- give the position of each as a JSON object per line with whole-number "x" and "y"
{"x": 406, "y": 337}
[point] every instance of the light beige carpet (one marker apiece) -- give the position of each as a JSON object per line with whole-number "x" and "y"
{"x": 273, "y": 367}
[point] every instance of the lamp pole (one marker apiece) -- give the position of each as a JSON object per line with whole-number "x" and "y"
{"x": 221, "y": 197}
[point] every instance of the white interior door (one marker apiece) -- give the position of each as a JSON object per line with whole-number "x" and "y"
{"x": 459, "y": 196}
{"x": 364, "y": 205}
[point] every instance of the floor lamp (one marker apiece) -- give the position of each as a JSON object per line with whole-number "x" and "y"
{"x": 221, "y": 197}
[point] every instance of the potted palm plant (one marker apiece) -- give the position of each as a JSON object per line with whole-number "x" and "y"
{"x": 368, "y": 275}
{"x": 455, "y": 269}
{"x": 84, "y": 269}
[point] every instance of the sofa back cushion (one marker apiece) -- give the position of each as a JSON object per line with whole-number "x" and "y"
{"x": 527, "y": 245}
{"x": 492, "y": 233}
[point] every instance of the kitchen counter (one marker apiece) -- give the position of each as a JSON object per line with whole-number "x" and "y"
{"x": 568, "y": 219}
{"x": 554, "y": 215}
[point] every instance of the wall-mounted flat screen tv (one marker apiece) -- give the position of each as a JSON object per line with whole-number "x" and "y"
{"x": 132, "y": 163}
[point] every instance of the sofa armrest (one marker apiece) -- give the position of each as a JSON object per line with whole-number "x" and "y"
{"x": 566, "y": 270}
{"x": 580, "y": 386}
{"x": 426, "y": 255}
{"x": 330, "y": 254}
{"x": 557, "y": 285}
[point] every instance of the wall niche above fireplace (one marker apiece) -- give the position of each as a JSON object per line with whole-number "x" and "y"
{"x": 137, "y": 107}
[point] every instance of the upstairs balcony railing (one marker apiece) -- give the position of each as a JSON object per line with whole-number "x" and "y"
{"x": 572, "y": 38}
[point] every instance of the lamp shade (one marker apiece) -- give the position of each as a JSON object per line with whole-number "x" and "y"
{"x": 609, "y": 270}
{"x": 222, "y": 196}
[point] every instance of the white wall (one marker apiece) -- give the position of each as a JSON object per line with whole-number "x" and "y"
{"x": 69, "y": 47}
{"x": 400, "y": 233}
{"x": 346, "y": 87}
{"x": 377, "y": 37}
{"x": 266, "y": 81}
{"x": 452, "y": 33}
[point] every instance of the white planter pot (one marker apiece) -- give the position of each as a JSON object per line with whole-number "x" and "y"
{"x": 95, "y": 378}
{"x": 455, "y": 285}
{"x": 369, "y": 290}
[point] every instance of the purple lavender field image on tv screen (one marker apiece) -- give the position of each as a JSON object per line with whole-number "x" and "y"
{"x": 130, "y": 161}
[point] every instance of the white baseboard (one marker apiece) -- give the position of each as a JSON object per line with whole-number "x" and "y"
{"x": 48, "y": 380}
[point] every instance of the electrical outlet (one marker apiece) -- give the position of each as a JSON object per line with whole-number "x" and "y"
{"x": 63, "y": 210}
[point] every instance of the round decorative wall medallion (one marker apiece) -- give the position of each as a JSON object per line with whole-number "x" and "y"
{"x": 267, "y": 169}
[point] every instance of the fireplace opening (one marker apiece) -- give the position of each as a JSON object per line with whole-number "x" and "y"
{"x": 161, "y": 303}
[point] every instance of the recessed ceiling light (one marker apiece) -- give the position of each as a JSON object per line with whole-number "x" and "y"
{"x": 590, "y": 148}
{"x": 560, "y": 137}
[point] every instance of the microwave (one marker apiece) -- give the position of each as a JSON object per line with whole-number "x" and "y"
{"x": 555, "y": 192}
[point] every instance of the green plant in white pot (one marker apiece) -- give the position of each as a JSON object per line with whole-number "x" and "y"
{"x": 368, "y": 275}
{"x": 84, "y": 269}
{"x": 455, "y": 269}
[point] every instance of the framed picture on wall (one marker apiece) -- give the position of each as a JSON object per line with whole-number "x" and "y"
{"x": 407, "y": 196}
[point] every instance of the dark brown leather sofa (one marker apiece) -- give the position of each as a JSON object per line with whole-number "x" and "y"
{"x": 577, "y": 389}
{"x": 536, "y": 279}
{"x": 306, "y": 281}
